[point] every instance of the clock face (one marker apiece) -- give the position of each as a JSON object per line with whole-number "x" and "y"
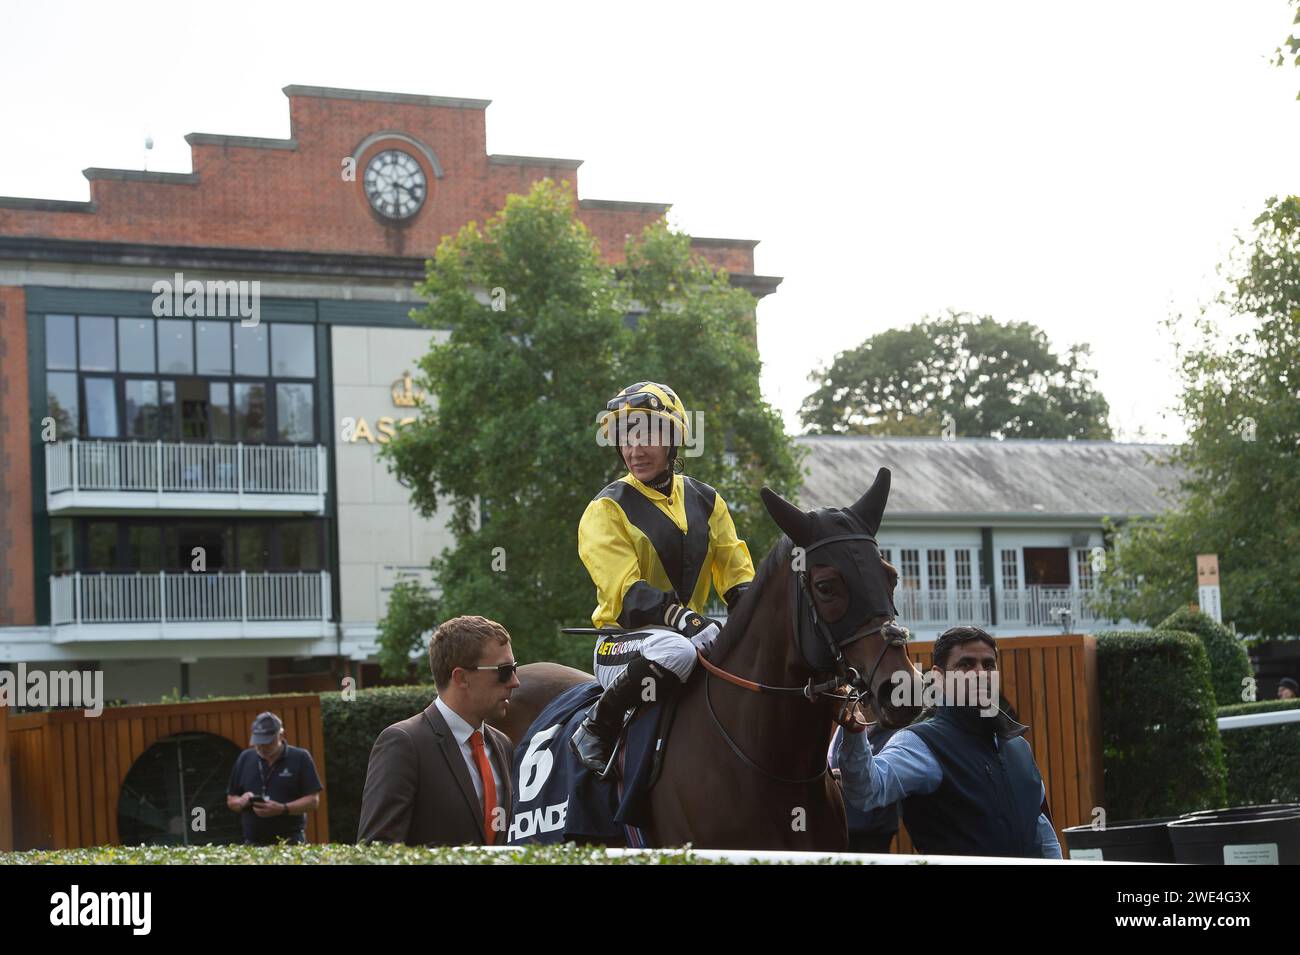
{"x": 395, "y": 184}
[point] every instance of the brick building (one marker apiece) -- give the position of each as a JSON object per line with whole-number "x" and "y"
{"x": 133, "y": 439}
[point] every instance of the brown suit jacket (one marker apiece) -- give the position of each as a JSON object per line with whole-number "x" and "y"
{"x": 418, "y": 788}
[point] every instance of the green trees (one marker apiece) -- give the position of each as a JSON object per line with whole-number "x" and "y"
{"x": 541, "y": 334}
{"x": 978, "y": 376}
{"x": 1241, "y": 494}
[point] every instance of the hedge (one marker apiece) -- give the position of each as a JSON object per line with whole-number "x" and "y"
{"x": 1161, "y": 750}
{"x": 1229, "y": 662}
{"x": 372, "y": 854}
{"x": 351, "y": 728}
{"x": 1263, "y": 761}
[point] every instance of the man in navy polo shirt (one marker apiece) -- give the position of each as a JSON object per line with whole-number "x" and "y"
{"x": 273, "y": 786}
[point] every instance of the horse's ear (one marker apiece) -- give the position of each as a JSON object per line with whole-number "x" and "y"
{"x": 870, "y": 507}
{"x": 796, "y": 524}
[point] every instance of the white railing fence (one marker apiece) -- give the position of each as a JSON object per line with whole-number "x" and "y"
{"x": 1028, "y": 606}
{"x": 165, "y": 466}
{"x": 189, "y": 598}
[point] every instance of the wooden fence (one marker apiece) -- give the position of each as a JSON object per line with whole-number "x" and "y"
{"x": 67, "y": 770}
{"x": 1052, "y": 684}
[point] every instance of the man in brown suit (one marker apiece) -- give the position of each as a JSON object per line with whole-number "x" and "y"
{"x": 442, "y": 777}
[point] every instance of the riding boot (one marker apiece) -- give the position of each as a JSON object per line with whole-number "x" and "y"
{"x": 593, "y": 742}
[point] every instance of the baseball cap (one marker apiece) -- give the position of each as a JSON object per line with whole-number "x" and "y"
{"x": 266, "y": 728}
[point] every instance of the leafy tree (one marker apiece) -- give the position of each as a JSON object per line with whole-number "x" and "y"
{"x": 1239, "y": 496}
{"x": 538, "y": 341}
{"x": 980, "y": 376}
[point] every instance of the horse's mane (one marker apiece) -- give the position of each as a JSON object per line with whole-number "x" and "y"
{"x": 739, "y": 619}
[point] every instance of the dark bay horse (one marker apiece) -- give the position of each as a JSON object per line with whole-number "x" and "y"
{"x": 746, "y": 763}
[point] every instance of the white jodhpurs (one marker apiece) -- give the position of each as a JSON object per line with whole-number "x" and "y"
{"x": 660, "y": 645}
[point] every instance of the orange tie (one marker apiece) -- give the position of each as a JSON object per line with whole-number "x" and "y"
{"x": 489, "y": 784}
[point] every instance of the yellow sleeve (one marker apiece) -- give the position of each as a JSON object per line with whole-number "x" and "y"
{"x": 610, "y": 559}
{"x": 731, "y": 562}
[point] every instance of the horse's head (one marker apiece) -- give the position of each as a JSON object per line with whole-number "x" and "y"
{"x": 844, "y": 594}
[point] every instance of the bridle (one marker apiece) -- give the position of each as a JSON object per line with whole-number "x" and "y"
{"x": 841, "y": 674}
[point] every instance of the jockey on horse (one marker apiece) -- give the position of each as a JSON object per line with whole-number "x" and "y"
{"x": 653, "y": 542}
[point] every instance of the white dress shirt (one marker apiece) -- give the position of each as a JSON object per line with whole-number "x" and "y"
{"x": 462, "y": 731}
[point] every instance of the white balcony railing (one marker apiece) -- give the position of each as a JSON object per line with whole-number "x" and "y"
{"x": 180, "y": 475}
{"x": 80, "y": 598}
{"x": 1031, "y": 606}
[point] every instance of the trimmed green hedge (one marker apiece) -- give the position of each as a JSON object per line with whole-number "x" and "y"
{"x": 351, "y": 728}
{"x": 371, "y": 855}
{"x": 1161, "y": 750}
{"x": 1229, "y": 662}
{"x": 1263, "y": 761}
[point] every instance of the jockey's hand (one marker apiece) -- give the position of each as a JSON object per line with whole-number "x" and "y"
{"x": 699, "y": 629}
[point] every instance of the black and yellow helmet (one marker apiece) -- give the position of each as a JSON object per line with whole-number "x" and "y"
{"x": 651, "y": 398}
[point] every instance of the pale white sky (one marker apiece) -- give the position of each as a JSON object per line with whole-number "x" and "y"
{"x": 1079, "y": 167}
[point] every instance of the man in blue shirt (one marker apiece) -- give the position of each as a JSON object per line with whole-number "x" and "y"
{"x": 273, "y": 785}
{"x": 966, "y": 777}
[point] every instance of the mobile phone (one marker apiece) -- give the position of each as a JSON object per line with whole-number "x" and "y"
{"x": 258, "y": 799}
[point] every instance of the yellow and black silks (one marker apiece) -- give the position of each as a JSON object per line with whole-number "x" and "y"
{"x": 645, "y": 551}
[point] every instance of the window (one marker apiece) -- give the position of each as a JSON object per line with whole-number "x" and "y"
{"x": 250, "y": 349}
{"x": 255, "y": 547}
{"x": 219, "y": 404}
{"x": 98, "y": 350}
{"x": 141, "y": 407}
{"x": 144, "y": 547}
{"x": 962, "y": 568}
{"x": 135, "y": 344}
{"x": 61, "y": 548}
{"x": 61, "y": 399}
{"x": 194, "y": 409}
{"x": 1083, "y": 568}
{"x": 293, "y": 351}
{"x": 884, "y": 555}
{"x": 250, "y": 412}
{"x": 60, "y": 342}
{"x": 101, "y": 408}
{"x": 175, "y": 346}
{"x": 937, "y": 568}
{"x": 1010, "y": 570}
{"x": 909, "y": 571}
{"x": 300, "y": 546}
{"x": 212, "y": 344}
{"x": 101, "y": 546}
{"x": 293, "y": 413}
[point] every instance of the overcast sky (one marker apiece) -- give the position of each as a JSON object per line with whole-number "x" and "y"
{"x": 1079, "y": 167}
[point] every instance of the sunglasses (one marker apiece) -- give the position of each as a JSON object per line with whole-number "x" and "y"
{"x": 504, "y": 672}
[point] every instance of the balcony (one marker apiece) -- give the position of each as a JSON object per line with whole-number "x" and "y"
{"x": 98, "y": 477}
{"x": 155, "y": 606}
{"x": 1031, "y": 607}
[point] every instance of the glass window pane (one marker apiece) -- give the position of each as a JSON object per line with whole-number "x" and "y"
{"x": 219, "y": 402}
{"x": 98, "y": 350}
{"x": 250, "y": 349}
{"x": 293, "y": 351}
{"x": 61, "y": 400}
{"x": 181, "y": 539}
{"x": 101, "y": 408}
{"x": 212, "y": 342}
{"x": 168, "y": 427}
{"x": 175, "y": 346}
{"x": 141, "y": 408}
{"x": 250, "y": 412}
{"x": 144, "y": 548}
{"x": 300, "y": 546}
{"x": 254, "y": 547}
{"x": 293, "y": 413}
{"x": 60, "y": 545}
{"x": 101, "y": 546}
{"x": 60, "y": 341}
{"x": 194, "y": 409}
{"x": 135, "y": 344}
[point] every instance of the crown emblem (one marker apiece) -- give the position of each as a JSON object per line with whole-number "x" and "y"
{"x": 404, "y": 396}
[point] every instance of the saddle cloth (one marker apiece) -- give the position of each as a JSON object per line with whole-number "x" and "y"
{"x": 557, "y": 799}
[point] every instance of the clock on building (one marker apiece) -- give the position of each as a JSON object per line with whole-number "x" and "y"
{"x": 395, "y": 184}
